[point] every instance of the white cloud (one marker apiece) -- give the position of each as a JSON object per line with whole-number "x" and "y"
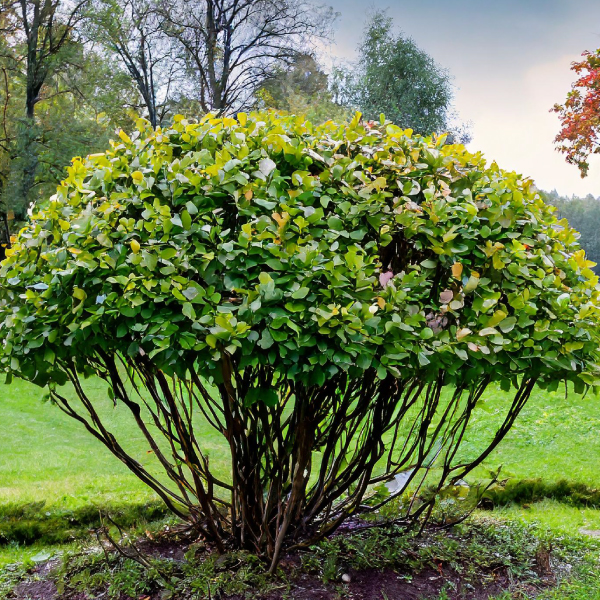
{"x": 511, "y": 62}
{"x": 514, "y": 126}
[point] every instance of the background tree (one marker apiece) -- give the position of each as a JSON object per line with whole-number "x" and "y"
{"x": 45, "y": 28}
{"x": 332, "y": 300}
{"x": 232, "y": 47}
{"x": 393, "y": 76}
{"x": 301, "y": 88}
{"x": 8, "y": 76}
{"x": 48, "y": 72}
{"x": 579, "y": 116}
{"x": 132, "y": 31}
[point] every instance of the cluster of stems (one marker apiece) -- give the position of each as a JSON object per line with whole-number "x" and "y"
{"x": 298, "y": 469}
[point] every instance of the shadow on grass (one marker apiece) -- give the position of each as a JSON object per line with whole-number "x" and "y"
{"x": 26, "y": 524}
{"x": 528, "y": 491}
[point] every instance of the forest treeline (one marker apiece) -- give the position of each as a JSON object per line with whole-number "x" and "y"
{"x": 583, "y": 214}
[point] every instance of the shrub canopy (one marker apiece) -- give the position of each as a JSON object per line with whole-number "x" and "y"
{"x": 310, "y": 293}
{"x": 311, "y": 250}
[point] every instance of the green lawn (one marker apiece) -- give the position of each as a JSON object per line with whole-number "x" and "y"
{"x": 47, "y": 457}
{"x": 556, "y": 437}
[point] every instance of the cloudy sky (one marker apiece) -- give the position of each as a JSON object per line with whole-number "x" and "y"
{"x": 510, "y": 60}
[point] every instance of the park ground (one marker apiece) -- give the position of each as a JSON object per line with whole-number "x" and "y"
{"x": 540, "y": 540}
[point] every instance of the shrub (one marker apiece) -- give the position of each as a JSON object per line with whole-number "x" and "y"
{"x": 309, "y": 292}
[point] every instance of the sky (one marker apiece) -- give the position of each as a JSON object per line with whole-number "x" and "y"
{"x": 510, "y": 61}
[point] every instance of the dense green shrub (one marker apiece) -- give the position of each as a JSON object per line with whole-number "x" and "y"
{"x": 309, "y": 292}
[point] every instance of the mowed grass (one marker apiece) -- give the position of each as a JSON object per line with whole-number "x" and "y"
{"x": 47, "y": 456}
{"x": 554, "y": 438}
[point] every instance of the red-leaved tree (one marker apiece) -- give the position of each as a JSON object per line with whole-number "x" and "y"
{"x": 580, "y": 114}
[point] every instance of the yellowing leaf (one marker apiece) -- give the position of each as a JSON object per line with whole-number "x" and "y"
{"x": 248, "y": 195}
{"x": 124, "y": 137}
{"x": 137, "y": 177}
{"x": 496, "y": 318}
{"x": 461, "y": 333}
{"x": 281, "y": 219}
{"x": 457, "y": 270}
{"x": 380, "y": 302}
{"x": 497, "y": 262}
{"x": 488, "y": 331}
{"x": 242, "y": 119}
{"x": 135, "y": 246}
{"x": 572, "y": 346}
{"x": 471, "y": 284}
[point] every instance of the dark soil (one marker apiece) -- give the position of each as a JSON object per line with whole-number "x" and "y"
{"x": 36, "y": 590}
{"x": 386, "y": 585}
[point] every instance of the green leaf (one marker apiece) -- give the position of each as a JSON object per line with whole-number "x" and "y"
{"x": 461, "y": 353}
{"x": 508, "y": 324}
{"x": 188, "y": 310}
{"x": 191, "y": 208}
{"x": 426, "y": 333}
{"x": 264, "y": 203}
{"x": 186, "y": 220}
{"x": 267, "y": 396}
{"x": 168, "y": 253}
{"x": 301, "y": 293}
{"x": 423, "y": 360}
{"x": 266, "y": 340}
{"x": 335, "y": 223}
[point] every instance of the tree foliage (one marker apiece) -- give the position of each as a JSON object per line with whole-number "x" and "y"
{"x": 579, "y": 116}
{"x": 44, "y": 28}
{"x": 309, "y": 292}
{"x": 394, "y": 76}
{"x": 301, "y": 89}
{"x": 47, "y": 72}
